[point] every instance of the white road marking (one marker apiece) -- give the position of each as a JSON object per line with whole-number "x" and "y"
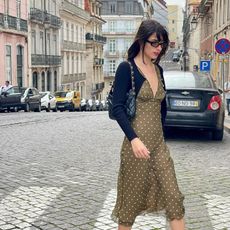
{"x": 27, "y": 203}
{"x": 219, "y": 211}
{"x": 143, "y": 222}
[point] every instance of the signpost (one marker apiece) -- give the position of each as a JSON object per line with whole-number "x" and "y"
{"x": 205, "y": 65}
{"x": 222, "y": 47}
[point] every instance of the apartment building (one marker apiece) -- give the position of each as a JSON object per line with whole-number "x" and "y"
{"x": 94, "y": 47}
{"x": 160, "y": 12}
{"x": 44, "y": 58}
{"x": 73, "y": 45}
{"x": 175, "y": 23}
{"x": 123, "y": 19}
{"x": 13, "y": 42}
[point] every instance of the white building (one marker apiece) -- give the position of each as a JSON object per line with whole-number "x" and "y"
{"x": 160, "y": 12}
{"x": 123, "y": 20}
{"x": 73, "y": 45}
{"x": 44, "y": 58}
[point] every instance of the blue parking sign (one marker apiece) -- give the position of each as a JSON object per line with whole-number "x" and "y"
{"x": 205, "y": 65}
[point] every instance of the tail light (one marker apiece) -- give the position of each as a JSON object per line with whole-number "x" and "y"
{"x": 215, "y": 103}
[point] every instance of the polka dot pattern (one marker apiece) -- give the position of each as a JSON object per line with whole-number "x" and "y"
{"x": 147, "y": 185}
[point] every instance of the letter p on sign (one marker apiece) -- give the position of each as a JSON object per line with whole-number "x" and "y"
{"x": 205, "y": 65}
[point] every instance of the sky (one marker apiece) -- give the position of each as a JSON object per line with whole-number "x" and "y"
{"x": 176, "y": 2}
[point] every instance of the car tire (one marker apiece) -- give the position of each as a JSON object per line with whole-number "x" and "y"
{"x": 218, "y": 134}
{"x": 48, "y": 109}
{"x": 55, "y": 109}
{"x": 71, "y": 109}
{"x": 27, "y": 107}
{"x": 39, "y": 109}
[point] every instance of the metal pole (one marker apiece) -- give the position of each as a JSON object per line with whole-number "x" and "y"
{"x": 223, "y": 57}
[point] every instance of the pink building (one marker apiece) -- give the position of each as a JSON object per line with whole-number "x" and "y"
{"x": 13, "y": 42}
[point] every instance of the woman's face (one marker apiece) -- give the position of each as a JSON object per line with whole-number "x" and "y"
{"x": 153, "y": 47}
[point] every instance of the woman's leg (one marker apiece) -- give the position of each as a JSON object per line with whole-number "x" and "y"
{"x": 177, "y": 224}
{"x": 122, "y": 227}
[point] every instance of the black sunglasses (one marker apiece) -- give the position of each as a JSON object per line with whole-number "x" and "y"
{"x": 156, "y": 43}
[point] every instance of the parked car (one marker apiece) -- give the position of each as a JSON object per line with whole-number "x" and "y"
{"x": 48, "y": 101}
{"x": 194, "y": 102}
{"x": 20, "y": 98}
{"x": 70, "y": 100}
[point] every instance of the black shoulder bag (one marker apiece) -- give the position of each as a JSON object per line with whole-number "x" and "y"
{"x": 130, "y": 105}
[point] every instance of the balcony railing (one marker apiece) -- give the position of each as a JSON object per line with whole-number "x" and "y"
{"x": 95, "y": 37}
{"x": 75, "y": 10}
{"x": 42, "y": 17}
{"x": 112, "y": 53}
{"x": 100, "y": 86}
{"x": 98, "y": 61}
{"x": 109, "y": 74}
{"x": 41, "y": 59}
{"x": 69, "y": 78}
{"x": 73, "y": 46}
{"x": 10, "y": 22}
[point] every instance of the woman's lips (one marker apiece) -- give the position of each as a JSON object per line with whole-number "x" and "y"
{"x": 156, "y": 53}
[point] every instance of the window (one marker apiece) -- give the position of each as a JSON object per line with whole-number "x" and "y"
{"x": 128, "y": 7}
{"x": 173, "y": 21}
{"x": 8, "y": 63}
{"x": 67, "y": 65}
{"x": 76, "y": 33}
{"x": 112, "y": 8}
{"x": 55, "y": 44}
{"x": 48, "y": 44}
{"x": 72, "y": 64}
{"x": 129, "y": 26}
{"x": 42, "y": 42}
{"x": 112, "y": 66}
{"x": 33, "y": 41}
{"x": 72, "y": 33}
{"x": 112, "y": 26}
{"x": 67, "y": 31}
{"x": 112, "y": 45}
{"x": 18, "y": 8}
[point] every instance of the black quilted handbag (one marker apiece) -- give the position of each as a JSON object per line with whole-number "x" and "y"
{"x": 130, "y": 100}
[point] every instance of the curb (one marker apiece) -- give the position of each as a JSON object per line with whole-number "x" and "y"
{"x": 227, "y": 127}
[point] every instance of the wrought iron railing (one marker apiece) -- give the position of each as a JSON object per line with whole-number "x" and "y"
{"x": 95, "y": 37}
{"x": 41, "y": 59}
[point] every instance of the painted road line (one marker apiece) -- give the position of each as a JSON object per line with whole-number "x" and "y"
{"x": 146, "y": 222}
{"x": 27, "y": 203}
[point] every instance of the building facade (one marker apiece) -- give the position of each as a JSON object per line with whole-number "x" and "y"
{"x": 94, "y": 46}
{"x": 175, "y": 23}
{"x": 123, "y": 19}
{"x": 148, "y": 8}
{"x": 44, "y": 45}
{"x": 73, "y": 45}
{"x": 13, "y": 42}
{"x": 160, "y": 12}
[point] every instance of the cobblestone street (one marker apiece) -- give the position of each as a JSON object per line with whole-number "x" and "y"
{"x": 59, "y": 171}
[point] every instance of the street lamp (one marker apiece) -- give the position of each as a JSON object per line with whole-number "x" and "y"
{"x": 193, "y": 23}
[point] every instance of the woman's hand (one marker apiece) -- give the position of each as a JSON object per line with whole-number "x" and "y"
{"x": 139, "y": 149}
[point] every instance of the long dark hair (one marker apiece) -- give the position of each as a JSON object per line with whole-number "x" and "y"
{"x": 146, "y": 29}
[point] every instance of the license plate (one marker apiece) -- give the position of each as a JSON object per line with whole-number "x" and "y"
{"x": 185, "y": 103}
{"x": 61, "y": 106}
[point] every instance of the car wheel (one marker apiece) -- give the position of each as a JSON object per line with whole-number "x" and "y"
{"x": 71, "y": 109}
{"x": 48, "y": 109}
{"x": 27, "y": 107}
{"x": 39, "y": 109}
{"x": 55, "y": 109}
{"x": 218, "y": 134}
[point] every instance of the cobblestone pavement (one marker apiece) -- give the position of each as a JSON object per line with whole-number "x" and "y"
{"x": 59, "y": 171}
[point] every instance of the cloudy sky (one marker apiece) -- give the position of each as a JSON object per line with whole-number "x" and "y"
{"x": 176, "y": 2}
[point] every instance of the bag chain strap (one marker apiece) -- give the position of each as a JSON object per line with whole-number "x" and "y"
{"x": 132, "y": 76}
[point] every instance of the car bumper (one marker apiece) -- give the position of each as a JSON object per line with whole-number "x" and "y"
{"x": 63, "y": 106}
{"x": 206, "y": 120}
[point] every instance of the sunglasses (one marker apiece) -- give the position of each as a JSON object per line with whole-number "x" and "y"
{"x": 156, "y": 43}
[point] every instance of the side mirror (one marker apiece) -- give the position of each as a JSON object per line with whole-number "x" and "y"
{"x": 221, "y": 91}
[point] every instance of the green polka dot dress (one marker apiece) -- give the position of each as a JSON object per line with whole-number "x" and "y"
{"x": 147, "y": 185}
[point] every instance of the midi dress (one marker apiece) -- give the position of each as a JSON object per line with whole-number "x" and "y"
{"x": 147, "y": 185}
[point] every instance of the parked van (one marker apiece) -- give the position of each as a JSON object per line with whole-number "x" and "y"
{"x": 69, "y": 100}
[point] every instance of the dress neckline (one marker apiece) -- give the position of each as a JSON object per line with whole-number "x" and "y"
{"x": 142, "y": 74}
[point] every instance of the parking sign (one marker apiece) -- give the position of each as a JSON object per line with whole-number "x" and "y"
{"x": 205, "y": 65}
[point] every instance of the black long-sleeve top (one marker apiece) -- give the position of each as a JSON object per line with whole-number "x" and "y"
{"x": 122, "y": 84}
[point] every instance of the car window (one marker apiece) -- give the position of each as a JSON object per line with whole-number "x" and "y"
{"x": 60, "y": 94}
{"x": 69, "y": 94}
{"x": 43, "y": 94}
{"x": 13, "y": 90}
{"x": 187, "y": 80}
{"x": 35, "y": 92}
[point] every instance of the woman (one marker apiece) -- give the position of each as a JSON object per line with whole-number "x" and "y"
{"x": 147, "y": 180}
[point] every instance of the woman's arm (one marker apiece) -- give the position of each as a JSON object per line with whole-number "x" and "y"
{"x": 122, "y": 84}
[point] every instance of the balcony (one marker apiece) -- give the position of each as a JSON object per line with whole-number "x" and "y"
{"x": 98, "y": 87}
{"x": 42, "y": 17}
{"x": 109, "y": 74}
{"x": 95, "y": 37}
{"x": 13, "y": 23}
{"x": 98, "y": 61}
{"x": 41, "y": 59}
{"x": 75, "y": 10}
{"x": 112, "y": 54}
{"x": 68, "y": 45}
{"x": 70, "y": 78}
